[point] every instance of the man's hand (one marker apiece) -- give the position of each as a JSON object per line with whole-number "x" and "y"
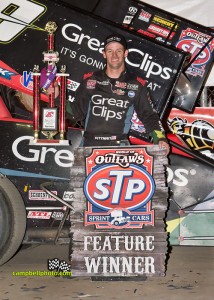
{"x": 53, "y": 89}
{"x": 160, "y": 139}
{"x": 162, "y": 144}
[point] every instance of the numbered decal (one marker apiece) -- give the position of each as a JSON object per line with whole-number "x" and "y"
{"x": 17, "y": 16}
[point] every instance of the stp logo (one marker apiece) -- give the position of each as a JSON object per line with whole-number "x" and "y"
{"x": 193, "y": 47}
{"x": 111, "y": 186}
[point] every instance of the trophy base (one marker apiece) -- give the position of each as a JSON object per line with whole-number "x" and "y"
{"x": 49, "y": 142}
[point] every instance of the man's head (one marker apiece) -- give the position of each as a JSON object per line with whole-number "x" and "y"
{"x": 115, "y": 52}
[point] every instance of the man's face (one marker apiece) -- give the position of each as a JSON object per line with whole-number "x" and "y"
{"x": 115, "y": 55}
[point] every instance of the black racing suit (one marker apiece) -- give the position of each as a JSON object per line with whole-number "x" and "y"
{"x": 107, "y": 106}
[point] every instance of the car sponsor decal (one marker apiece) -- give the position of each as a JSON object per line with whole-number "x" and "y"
{"x": 40, "y": 195}
{"x": 39, "y": 215}
{"x": 194, "y": 42}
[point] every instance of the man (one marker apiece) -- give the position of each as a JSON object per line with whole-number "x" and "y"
{"x": 107, "y": 99}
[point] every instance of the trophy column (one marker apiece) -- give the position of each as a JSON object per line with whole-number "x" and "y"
{"x": 36, "y": 94}
{"x": 62, "y": 103}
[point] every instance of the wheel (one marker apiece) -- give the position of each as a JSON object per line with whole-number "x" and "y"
{"x": 116, "y": 223}
{"x": 12, "y": 220}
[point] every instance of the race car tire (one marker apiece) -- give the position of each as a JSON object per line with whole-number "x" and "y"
{"x": 12, "y": 220}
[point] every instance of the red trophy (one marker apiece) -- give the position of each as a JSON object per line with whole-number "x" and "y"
{"x": 52, "y": 119}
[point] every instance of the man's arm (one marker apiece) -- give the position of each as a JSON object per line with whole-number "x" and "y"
{"x": 149, "y": 117}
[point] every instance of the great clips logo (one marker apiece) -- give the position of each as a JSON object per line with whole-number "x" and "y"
{"x": 119, "y": 187}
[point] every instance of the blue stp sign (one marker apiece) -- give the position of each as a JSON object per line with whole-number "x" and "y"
{"x": 119, "y": 187}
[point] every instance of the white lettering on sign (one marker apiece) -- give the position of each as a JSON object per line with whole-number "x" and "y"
{"x": 116, "y": 242}
{"x": 134, "y": 186}
{"x": 63, "y": 158}
{"x": 68, "y": 196}
{"x": 144, "y": 61}
{"x": 120, "y": 175}
{"x": 113, "y": 264}
{"x": 93, "y": 43}
{"x": 180, "y": 176}
{"x": 91, "y": 62}
{"x": 149, "y": 66}
{"x": 120, "y": 159}
{"x": 118, "y": 265}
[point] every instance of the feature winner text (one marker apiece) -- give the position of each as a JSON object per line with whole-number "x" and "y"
{"x": 116, "y": 254}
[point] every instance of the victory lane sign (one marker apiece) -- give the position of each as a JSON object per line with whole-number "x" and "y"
{"x": 118, "y": 188}
{"x": 117, "y": 223}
